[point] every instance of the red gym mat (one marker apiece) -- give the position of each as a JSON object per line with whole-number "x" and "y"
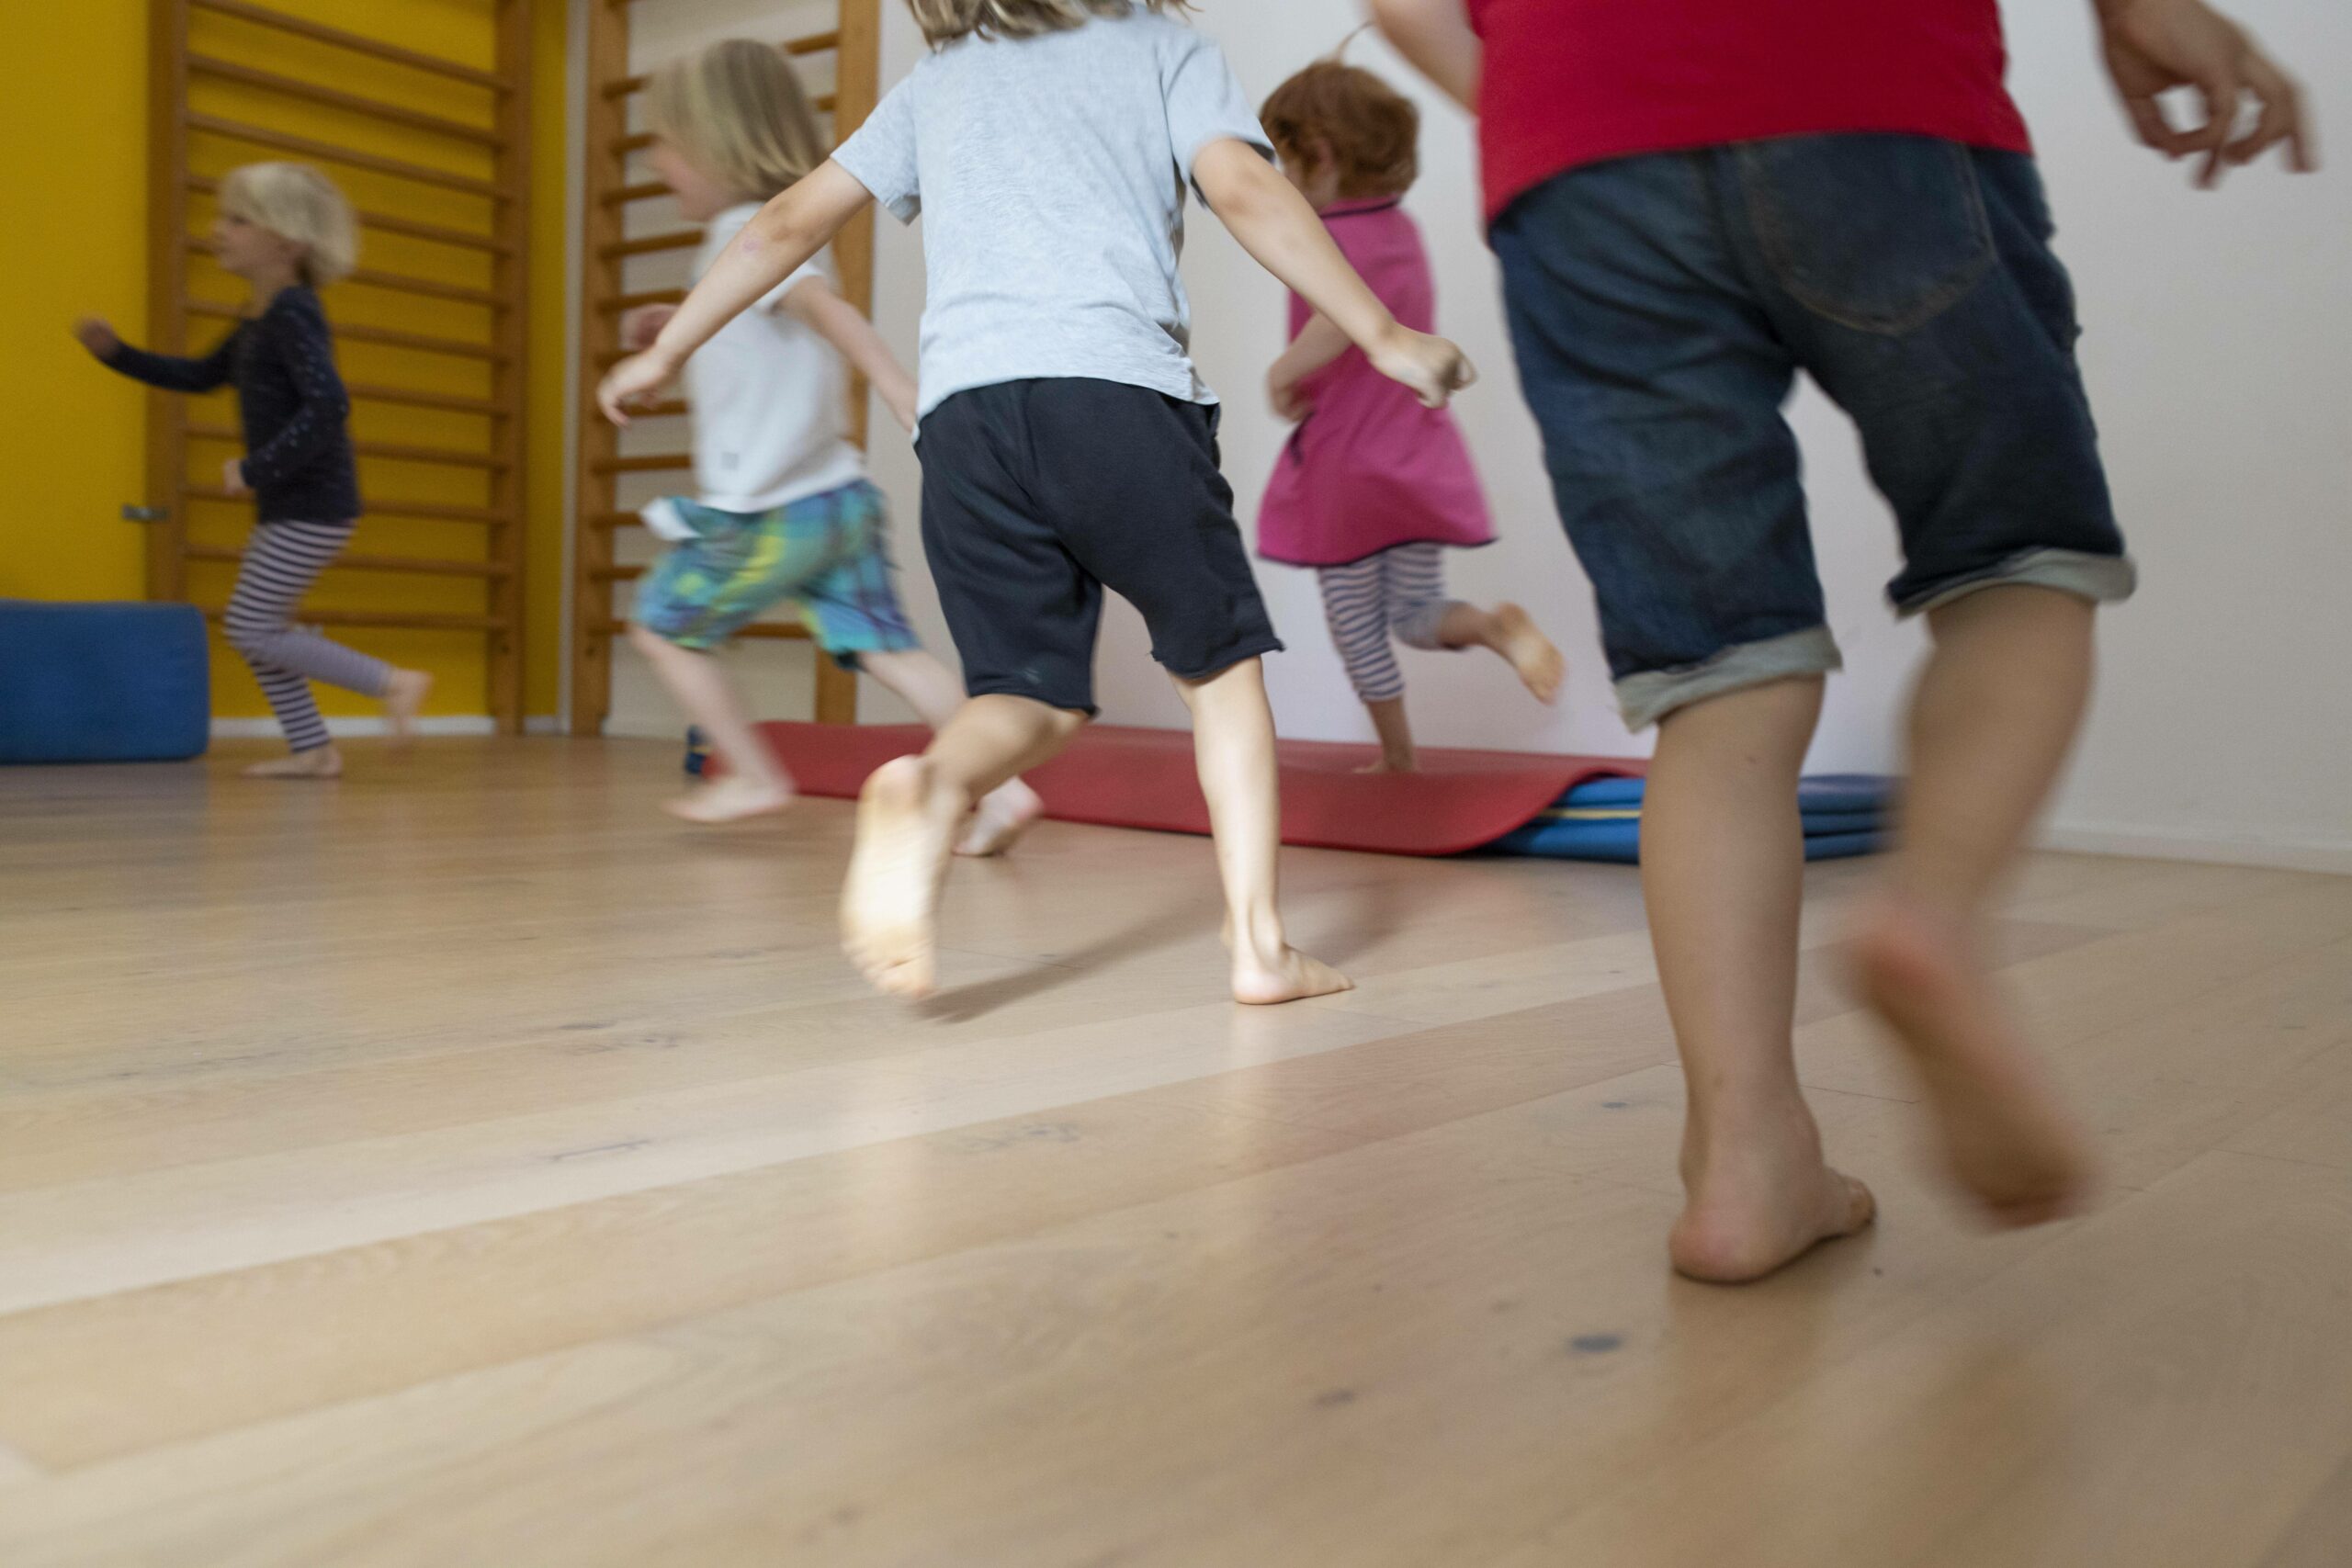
{"x": 1143, "y": 778}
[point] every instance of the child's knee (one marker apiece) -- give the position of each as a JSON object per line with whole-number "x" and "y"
{"x": 250, "y": 638}
{"x": 1421, "y": 624}
{"x": 645, "y": 639}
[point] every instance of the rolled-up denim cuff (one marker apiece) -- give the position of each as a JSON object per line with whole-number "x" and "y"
{"x": 2102, "y": 580}
{"x": 1650, "y": 694}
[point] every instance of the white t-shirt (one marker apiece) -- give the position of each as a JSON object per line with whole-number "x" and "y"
{"x": 1050, "y": 175}
{"x": 768, "y": 398}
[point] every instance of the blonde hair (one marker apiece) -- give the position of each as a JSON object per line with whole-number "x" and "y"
{"x": 296, "y": 202}
{"x": 944, "y": 21}
{"x": 737, "y": 109}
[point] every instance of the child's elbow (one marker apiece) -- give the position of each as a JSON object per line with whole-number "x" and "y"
{"x": 787, "y": 227}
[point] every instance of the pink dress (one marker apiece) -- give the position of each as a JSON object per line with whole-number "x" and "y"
{"x": 1370, "y": 469}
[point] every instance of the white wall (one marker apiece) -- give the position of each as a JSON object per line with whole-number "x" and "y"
{"x": 2219, "y": 358}
{"x": 2220, "y": 355}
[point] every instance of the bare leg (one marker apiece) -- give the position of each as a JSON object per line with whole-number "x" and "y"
{"x": 907, "y": 817}
{"x": 754, "y": 786}
{"x": 1511, "y": 632}
{"x": 1722, "y": 866}
{"x": 924, "y": 683}
{"x": 1233, "y": 745}
{"x": 1995, "y": 715}
{"x": 404, "y": 700}
{"x": 1396, "y": 738}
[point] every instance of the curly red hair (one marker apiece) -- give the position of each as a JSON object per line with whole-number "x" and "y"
{"x": 1373, "y": 130}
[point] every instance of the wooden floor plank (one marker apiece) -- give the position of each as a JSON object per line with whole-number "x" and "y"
{"x": 2316, "y": 1126}
{"x": 2321, "y": 1536}
{"x": 2058, "y": 1417}
{"x": 466, "y": 1163}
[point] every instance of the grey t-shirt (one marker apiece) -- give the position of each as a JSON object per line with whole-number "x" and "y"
{"x": 1050, "y": 172}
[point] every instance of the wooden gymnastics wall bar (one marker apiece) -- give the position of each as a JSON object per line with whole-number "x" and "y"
{"x": 188, "y": 46}
{"x": 607, "y": 249}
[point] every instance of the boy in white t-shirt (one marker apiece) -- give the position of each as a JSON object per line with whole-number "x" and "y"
{"x": 1069, "y": 446}
{"x": 786, "y": 512}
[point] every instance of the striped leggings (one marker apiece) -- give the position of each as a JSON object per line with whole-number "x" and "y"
{"x": 282, "y": 560}
{"x": 1399, "y": 590}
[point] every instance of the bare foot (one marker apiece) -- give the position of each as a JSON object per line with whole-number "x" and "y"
{"x": 1001, "y": 818}
{"x": 1761, "y": 1203}
{"x": 1391, "y": 765}
{"x": 905, "y": 824}
{"x": 319, "y": 762}
{"x": 1268, "y": 971}
{"x": 2007, "y": 1135}
{"x": 1540, "y": 665}
{"x": 730, "y": 800}
{"x": 402, "y": 701}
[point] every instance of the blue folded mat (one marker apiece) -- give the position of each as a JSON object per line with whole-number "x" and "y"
{"x": 1845, "y": 815}
{"x": 103, "y": 682}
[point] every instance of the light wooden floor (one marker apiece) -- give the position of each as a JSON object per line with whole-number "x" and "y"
{"x": 463, "y": 1165}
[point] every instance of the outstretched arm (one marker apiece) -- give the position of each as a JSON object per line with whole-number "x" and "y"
{"x": 168, "y": 371}
{"x": 2154, "y": 46}
{"x": 1435, "y": 35}
{"x": 843, "y": 324}
{"x": 787, "y": 232}
{"x": 1277, "y": 227}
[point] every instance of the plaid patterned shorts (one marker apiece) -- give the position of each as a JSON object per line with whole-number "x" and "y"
{"x": 828, "y": 556}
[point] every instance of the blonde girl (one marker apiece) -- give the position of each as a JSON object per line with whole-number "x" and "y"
{"x": 287, "y": 232}
{"x": 785, "y": 514}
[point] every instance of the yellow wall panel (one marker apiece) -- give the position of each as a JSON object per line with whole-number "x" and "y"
{"x": 78, "y": 209}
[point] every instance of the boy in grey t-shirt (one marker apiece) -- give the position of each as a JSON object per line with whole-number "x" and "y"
{"x": 1068, "y": 445}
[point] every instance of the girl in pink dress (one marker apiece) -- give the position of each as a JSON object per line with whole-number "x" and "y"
{"x": 1372, "y": 485}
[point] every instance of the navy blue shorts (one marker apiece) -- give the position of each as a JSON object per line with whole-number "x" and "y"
{"x": 1037, "y": 495}
{"x": 1660, "y": 309}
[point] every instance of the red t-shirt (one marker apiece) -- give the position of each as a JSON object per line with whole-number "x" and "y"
{"x": 1572, "y": 81}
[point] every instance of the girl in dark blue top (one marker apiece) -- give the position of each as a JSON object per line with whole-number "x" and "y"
{"x": 286, "y": 230}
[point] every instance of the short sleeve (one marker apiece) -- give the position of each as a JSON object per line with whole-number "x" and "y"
{"x": 1205, "y": 101}
{"x": 880, "y": 154}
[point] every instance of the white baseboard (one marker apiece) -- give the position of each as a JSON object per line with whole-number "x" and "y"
{"x": 2284, "y": 853}
{"x": 364, "y": 728}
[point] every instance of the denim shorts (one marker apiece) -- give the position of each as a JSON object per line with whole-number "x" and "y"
{"x": 1660, "y": 309}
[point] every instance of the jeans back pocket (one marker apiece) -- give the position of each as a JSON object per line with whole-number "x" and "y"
{"x": 1879, "y": 233}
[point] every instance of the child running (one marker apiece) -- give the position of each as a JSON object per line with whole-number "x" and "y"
{"x": 786, "y": 514}
{"x": 1373, "y": 486}
{"x": 287, "y": 232}
{"x": 1693, "y": 201}
{"x": 1067, "y": 444}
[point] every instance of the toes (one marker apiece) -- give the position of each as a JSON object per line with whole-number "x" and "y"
{"x": 1861, "y": 1206}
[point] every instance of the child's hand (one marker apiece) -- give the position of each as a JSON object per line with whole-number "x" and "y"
{"x": 633, "y": 381}
{"x": 1434, "y": 368}
{"x": 2154, "y": 46}
{"x": 642, "y": 326}
{"x": 233, "y": 476}
{"x": 96, "y": 336}
{"x": 1290, "y": 404}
